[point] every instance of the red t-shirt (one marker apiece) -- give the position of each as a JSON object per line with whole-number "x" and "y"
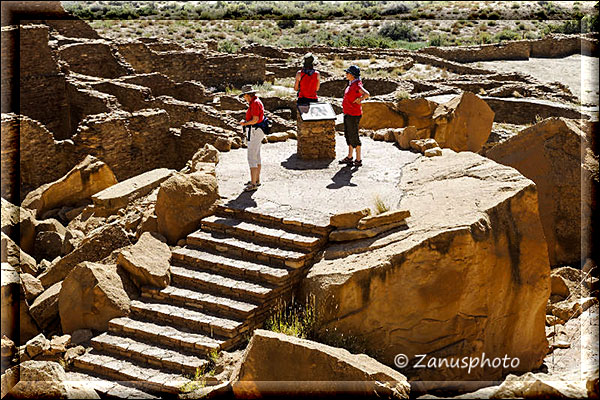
{"x": 255, "y": 108}
{"x": 352, "y": 93}
{"x": 308, "y": 85}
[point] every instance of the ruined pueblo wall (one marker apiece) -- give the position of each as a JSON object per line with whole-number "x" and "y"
{"x": 212, "y": 70}
{"x": 42, "y": 87}
{"x": 552, "y": 46}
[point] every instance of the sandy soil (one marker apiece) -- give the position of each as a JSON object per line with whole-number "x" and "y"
{"x": 578, "y": 72}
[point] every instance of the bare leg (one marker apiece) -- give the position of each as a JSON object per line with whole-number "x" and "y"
{"x": 349, "y": 151}
{"x": 254, "y": 175}
{"x": 258, "y": 174}
{"x": 358, "y": 153}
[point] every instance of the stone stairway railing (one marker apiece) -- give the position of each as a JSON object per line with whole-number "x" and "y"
{"x": 224, "y": 282}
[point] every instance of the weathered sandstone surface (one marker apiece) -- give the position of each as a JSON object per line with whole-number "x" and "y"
{"x": 550, "y": 154}
{"x": 470, "y": 275}
{"x": 275, "y": 363}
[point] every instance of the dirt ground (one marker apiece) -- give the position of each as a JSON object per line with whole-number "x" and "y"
{"x": 578, "y": 72}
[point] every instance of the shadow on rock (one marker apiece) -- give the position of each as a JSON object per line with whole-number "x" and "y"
{"x": 342, "y": 178}
{"x": 293, "y": 162}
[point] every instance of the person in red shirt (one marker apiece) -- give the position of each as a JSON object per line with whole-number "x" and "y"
{"x": 354, "y": 94}
{"x": 254, "y": 115}
{"x": 307, "y": 81}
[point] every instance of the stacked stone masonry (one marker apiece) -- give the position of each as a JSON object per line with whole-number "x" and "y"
{"x": 225, "y": 282}
{"x": 316, "y": 139}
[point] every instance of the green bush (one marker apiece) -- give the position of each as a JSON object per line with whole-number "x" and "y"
{"x": 227, "y": 46}
{"x": 507, "y": 34}
{"x": 398, "y": 31}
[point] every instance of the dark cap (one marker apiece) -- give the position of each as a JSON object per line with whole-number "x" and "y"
{"x": 354, "y": 70}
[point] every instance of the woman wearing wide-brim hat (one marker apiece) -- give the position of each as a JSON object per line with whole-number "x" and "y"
{"x": 307, "y": 81}
{"x": 254, "y": 115}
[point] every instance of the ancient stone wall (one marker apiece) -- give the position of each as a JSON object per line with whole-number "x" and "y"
{"x": 316, "y": 139}
{"x": 517, "y": 50}
{"x": 10, "y": 157}
{"x": 552, "y": 46}
{"x": 376, "y": 87}
{"x": 73, "y": 28}
{"x": 84, "y": 101}
{"x": 131, "y": 97}
{"x": 528, "y": 111}
{"x": 130, "y": 143}
{"x": 218, "y": 70}
{"x": 10, "y": 66}
{"x": 93, "y": 58}
{"x": 41, "y": 82}
{"x": 195, "y": 135}
{"x": 42, "y": 158}
{"x": 182, "y": 112}
{"x": 192, "y": 92}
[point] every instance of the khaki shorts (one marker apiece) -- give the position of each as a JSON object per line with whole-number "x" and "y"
{"x": 256, "y": 137}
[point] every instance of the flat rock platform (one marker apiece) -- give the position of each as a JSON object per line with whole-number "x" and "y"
{"x": 311, "y": 191}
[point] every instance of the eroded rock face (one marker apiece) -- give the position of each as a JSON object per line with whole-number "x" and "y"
{"x": 87, "y": 178}
{"x": 183, "y": 200}
{"x": 456, "y": 282}
{"x": 91, "y": 295}
{"x": 549, "y": 153}
{"x": 275, "y": 363}
{"x": 464, "y": 123}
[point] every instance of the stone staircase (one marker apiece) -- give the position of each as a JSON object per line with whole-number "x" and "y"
{"x": 224, "y": 282}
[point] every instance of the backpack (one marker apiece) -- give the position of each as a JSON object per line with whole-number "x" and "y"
{"x": 265, "y": 125}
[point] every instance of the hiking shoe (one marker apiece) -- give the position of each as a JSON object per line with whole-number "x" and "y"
{"x": 358, "y": 163}
{"x": 347, "y": 160}
{"x": 250, "y": 188}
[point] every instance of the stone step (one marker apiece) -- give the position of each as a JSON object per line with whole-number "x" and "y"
{"x": 219, "y": 284}
{"x": 248, "y": 250}
{"x": 316, "y": 225}
{"x": 195, "y": 343}
{"x": 146, "y": 378}
{"x": 185, "y": 317}
{"x": 208, "y": 302}
{"x": 231, "y": 267}
{"x": 261, "y": 233}
{"x": 147, "y": 354}
{"x": 108, "y": 387}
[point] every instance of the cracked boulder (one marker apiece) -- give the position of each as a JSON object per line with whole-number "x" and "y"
{"x": 469, "y": 274}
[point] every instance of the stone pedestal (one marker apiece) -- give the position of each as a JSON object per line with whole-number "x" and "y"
{"x": 316, "y": 139}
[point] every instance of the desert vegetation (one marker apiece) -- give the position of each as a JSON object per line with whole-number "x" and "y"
{"x": 383, "y": 24}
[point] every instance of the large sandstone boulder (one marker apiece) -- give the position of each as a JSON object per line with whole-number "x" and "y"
{"x": 381, "y": 115}
{"x": 84, "y": 180}
{"x": 549, "y": 153}
{"x": 469, "y": 275}
{"x": 48, "y": 380}
{"x": 463, "y": 123}
{"x": 417, "y": 113}
{"x": 118, "y": 196}
{"x": 91, "y": 295}
{"x": 147, "y": 261}
{"x": 44, "y": 309}
{"x": 17, "y": 258}
{"x": 275, "y": 363}
{"x": 183, "y": 200}
{"x": 100, "y": 243}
